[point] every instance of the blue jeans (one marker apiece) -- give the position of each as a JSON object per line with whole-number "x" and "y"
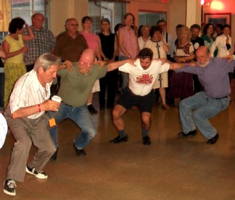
{"x": 197, "y": 109}
{"x": 81, "y": 116}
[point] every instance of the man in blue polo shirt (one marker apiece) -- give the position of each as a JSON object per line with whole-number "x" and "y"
{"x": 195, "y": 111}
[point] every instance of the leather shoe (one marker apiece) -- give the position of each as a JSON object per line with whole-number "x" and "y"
{"x": 119, "y": 139}
{"x": 79, "y": 152}
{"x": 213, "y": 140}
{"x": 190, "y": 133}
{"x": 54, "y": 156}
{"x": 146, "y": 140}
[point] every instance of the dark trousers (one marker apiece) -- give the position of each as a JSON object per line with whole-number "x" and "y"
{"x": 108, "y": 85}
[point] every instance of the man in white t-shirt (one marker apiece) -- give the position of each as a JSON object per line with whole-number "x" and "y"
{"x": 139, "y": 92}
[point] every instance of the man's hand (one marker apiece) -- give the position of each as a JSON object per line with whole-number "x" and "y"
{"x": 50, "y": 105}
{"x": 68, "y": 65}
{"x": 101, "y": 63}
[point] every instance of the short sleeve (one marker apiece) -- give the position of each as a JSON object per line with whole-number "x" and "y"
{"x": 125, "y": 68}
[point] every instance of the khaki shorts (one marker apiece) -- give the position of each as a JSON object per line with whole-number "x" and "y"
{"x": 161, "y": 81}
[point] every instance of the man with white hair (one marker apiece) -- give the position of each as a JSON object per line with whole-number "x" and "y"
{"x": 28, "y": 122}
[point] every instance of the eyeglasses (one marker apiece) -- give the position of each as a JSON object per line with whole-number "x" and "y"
{"x": 73, "y": 24}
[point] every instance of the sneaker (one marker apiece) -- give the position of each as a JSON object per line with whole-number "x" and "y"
{"x": 10, "y": 187}
{"x": 79, "y": 152}
{"x": 91, "y": 109}
{"x": 54, "y": 156}
{"x": 39, "y": 175}
{"x": 213, "y": 140}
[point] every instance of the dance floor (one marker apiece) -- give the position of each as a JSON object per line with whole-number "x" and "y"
{"x": 171, "y": 168}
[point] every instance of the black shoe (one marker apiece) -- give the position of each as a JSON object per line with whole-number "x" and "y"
{"x": 79, "y": 152}
{"x": 54, "y": 156}
{"x": 91, "y": 109}
{"x": 10, "y": 187}
{"x": 191, "y": 133}
{"x": 119, "y": 139}
{"x": 146, "y": 140}
{"x": 213, "y": 140}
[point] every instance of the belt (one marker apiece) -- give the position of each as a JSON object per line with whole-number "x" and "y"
{"x": 222, "y": 97}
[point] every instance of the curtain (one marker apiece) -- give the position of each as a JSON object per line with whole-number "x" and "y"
{"x": 5, "y": 14}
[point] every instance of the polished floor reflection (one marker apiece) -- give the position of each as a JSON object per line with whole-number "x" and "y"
{"x": 170, "y": 169}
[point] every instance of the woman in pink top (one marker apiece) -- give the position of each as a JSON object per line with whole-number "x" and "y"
{"x": 93, "y": 42}
{"x": 127, "y": 42}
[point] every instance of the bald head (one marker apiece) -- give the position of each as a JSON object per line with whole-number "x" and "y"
{"x": 86, "y": 60}
{"x": 203, "y": 55}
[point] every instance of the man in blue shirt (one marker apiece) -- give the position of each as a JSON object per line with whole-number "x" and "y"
{"x": 195, "y": 111}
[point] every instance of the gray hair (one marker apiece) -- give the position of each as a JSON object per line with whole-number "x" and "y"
{"x": 46, "y": 60}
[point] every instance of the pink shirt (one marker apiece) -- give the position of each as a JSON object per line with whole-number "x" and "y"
{"x": 130, "y": 42}
{"x": 91, "y": 39}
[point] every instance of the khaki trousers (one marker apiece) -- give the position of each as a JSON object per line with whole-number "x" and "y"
{"x": 27, "y": 132}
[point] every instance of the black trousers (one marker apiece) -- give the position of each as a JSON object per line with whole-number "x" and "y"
{"x": 108, "y": 88}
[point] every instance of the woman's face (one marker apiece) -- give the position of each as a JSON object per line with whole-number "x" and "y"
{"x": 226, "y": 31}
{"x": 210, "y": 30}
{"x": 129, "y": 20}
{"x": 105, "y": 26}
{"x": 87, "y": 25}
{"x": 145, "y": 31}
{"x": 157, "y": 36}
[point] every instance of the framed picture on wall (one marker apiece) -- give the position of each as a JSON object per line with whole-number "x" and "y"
{"x": 217, "y": 18}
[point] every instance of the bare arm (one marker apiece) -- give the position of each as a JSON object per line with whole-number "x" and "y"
{"x": 6, "y": 49}
{"x": 30, "y": 34}
{"x": 114, "y": 65}
{"x": 48, "y": 105}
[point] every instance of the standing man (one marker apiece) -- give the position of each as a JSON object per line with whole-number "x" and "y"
{"x": 195, "y": 111}
{"x": 139, "y": 93}
{"x": 76, "y": 85}
{"x": 70, "y": 44}
{"x": 28, "y": 122}
{"x": 43, "y": 42}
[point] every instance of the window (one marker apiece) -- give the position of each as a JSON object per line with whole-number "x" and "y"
{"x": 151, "y": 18}
{"x": 114, "y": 11}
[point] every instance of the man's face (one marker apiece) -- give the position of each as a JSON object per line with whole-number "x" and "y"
{"x": 72, "y": 26}
{"x": 163, "y": 26}
{"x": 38, "y": 21}
{"x": 202, "y": 57}
{"x": 85, "y": 63}
{"x": 50, "y": 74}
{"x": 157, "y": 36}
{"x": 145, "y": 63}
{"x": 195, "y": 32}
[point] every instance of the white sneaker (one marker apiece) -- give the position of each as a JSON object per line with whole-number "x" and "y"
{"x": 39, "y": 175}
{"x": 10, "y": 187}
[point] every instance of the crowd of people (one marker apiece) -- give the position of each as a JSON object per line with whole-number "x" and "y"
{"x": 127, "y": 68}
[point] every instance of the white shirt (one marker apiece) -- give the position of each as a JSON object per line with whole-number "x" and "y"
{"x": 28, "y": 91}
{"x": 220, "y": 43}
{"x": 141, "y": 80}
{"x": 153, "y": 46}
{"x": 141, "y": 42}
{"x": 3, "y": 130}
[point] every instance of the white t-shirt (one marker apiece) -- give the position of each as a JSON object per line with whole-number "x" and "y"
{"x": 141, "y": 80}
{"x": 28, "y": 91}
{"x": 3, "y": 130}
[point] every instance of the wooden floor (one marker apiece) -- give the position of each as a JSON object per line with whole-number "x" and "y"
{"x": 170, "y": 169}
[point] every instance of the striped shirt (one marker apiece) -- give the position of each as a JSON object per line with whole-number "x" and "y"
{"x": 28, "y": 91}
{"x": 43, "y": 42}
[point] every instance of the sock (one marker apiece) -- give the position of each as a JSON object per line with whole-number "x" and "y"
{"x": 122, "y": 133}
{"x": 145, "y": 132}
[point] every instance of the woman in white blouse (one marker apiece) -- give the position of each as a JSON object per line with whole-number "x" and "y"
{"x": 223, "y": 43}
{"x": 160, "y": 49}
